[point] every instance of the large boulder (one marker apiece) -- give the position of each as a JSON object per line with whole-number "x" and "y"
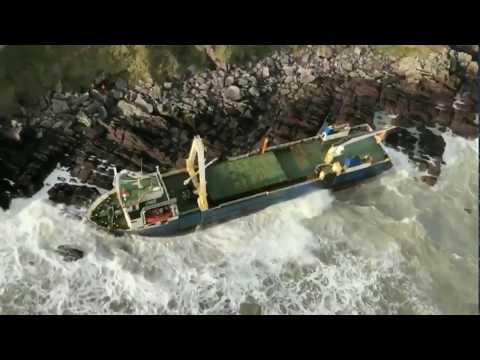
{"x": 68, "y": 194}
{"x": 233, "y": 93}
{"x": 59, "y": 106}
{"x": 69, "y": 253}
{"x": 142, "y": 104}
{"x": 462, "y": 128}
{"x": 128, "y": 110}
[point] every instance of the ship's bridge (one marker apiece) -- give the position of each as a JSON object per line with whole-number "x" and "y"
{"x": 133, "y": 188}
{"x": 144, "y": 199}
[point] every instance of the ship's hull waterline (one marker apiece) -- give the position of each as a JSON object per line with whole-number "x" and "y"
{"x": 188, "y": 222}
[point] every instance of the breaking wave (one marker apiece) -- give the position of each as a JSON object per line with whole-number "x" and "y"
{"x": 391, "y": 245}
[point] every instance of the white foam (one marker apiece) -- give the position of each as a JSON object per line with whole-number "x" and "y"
{"x": 455, "y": 146}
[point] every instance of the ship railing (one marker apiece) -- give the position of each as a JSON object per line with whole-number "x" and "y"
{"x": 160, "y": 177}
{"x": 274, "y": 147}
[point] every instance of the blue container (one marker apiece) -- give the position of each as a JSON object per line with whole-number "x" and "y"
{"x": 329, "y": 130}
{"x": 352, "y": 161}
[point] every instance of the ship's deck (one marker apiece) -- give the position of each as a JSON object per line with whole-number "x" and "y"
{"x": 235, "y": 178}
{"x": 186, "y": 199}
{"x": 262, "y": 172}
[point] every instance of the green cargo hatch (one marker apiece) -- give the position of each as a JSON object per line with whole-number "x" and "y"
{"x": 233, "y": 178}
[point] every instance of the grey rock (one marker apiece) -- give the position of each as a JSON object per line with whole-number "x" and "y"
{"x": 233, "y": 93}
{"x": 202, "y": 103}
{"x": 167, "y": 85}
{"x": 46, "y": 122}
{"x": 121, "y": 84}
{"x": 306, "y": 76}
{"x": 347, "y": 66}
{"x": 127, "y": 109}
{"x": 243, "y": 82}
{"x": 80, "y": 100}
{"x": 69, "y": 253}
{"x": 117, "y": 94}
{"x": 289, "y": 70}
{"x": 59, "y": 106}
{"x": 265, "y": 72}
{"x": 142, "y": 104}
{"x": 254, "y": 92}
{"x": 58, "y": 124}
{"x": 101, "y": 113}
{"x": 156, "y": 92}
{"x": 93, "y": 107}
{"x": 97, "y": 96}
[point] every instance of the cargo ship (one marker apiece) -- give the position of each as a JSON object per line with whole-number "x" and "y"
{"x": 178, "y": 201}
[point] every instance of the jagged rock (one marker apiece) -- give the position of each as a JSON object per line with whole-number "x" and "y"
{"x": 128, "y": 110}
{"x": 68, "y": 194}
{"x": 243, "y": 82}
{"x": 430, "y": 143}
{"x": 265, "y": 72}
{"x": 464, "y": 129}
{"x": 156, "y": 92}
{"x": 306, "y": 76}
{"x": 95, "y": 94}
{"x": 101, "y": 113}
{"x": 254, "y": 92}
{"x": 69, "y": 253}
{"x": 79, "y": 101}
{"x": 142, "y": 104}
{"x": 233, "y": 93}
{"x": 429, "y": 180}
{"x": 59, "y": 106}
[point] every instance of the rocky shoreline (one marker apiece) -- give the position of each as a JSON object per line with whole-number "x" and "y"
{"x": 285, "y": 96}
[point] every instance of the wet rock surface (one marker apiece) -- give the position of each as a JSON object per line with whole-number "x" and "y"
{"x": 78, "y": 195}
{"x": 283, "y": 96}
{"x": 69, "y": 253}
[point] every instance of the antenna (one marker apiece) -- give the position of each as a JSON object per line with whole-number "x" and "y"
{"x": 141, "y": 165}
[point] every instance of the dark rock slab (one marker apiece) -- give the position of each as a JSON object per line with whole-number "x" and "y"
{"x": 68, "y": 194}
{"x": 69, "y": 253}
